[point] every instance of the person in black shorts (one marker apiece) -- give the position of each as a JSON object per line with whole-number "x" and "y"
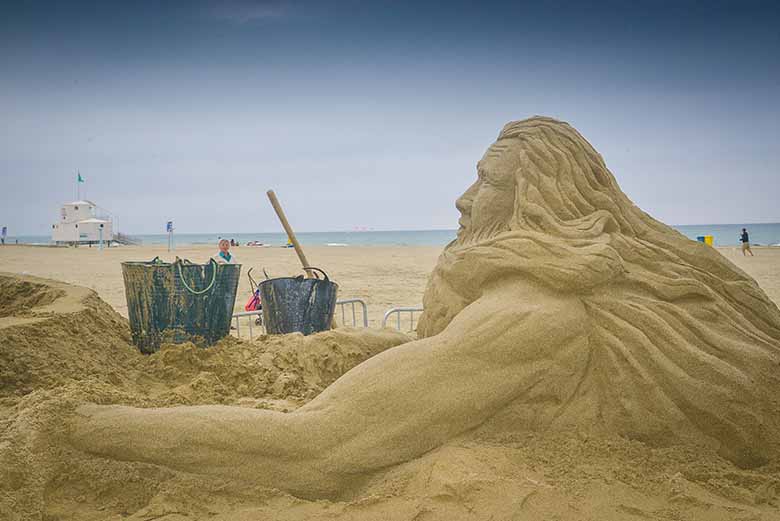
{"x": 745, "y": 239}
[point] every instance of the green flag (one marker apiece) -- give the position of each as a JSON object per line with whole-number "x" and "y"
{"x": 79, "y": 178}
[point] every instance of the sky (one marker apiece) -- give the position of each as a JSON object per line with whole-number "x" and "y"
{"x": 372, "y": 115}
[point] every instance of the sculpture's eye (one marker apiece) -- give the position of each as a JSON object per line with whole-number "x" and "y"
{"x": 492, "y": 178}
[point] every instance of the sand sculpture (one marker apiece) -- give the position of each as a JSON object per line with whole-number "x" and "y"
{"x": 560, "y": 307}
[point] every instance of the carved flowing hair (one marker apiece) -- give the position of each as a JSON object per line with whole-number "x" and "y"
{"x": 669, "y": 317}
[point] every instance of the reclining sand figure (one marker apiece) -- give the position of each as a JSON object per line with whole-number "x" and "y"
{"x": 560, "y": 306}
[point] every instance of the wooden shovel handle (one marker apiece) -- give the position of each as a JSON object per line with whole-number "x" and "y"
{"x": 290, "y": 233}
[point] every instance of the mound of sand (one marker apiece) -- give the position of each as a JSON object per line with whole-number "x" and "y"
{"x": 58, "y": 334}
{"x": 577, "y": 360}
{"x": 63, "y": 334}
{"x": 22, "y": 294}
{"x": 273, "y": 372}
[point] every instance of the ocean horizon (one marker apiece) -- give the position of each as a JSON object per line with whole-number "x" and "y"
{"x": 761, "y": 234}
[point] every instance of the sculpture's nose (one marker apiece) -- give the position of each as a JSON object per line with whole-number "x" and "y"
{"x": 463, "y": 203}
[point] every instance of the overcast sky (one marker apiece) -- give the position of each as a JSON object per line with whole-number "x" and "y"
{"x": 374, "y": 114}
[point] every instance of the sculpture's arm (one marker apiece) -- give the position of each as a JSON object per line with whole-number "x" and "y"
{"x": 391, "y": 408}
{"x": 412, "y": 398}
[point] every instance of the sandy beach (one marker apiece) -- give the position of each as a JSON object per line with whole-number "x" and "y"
{"x": 383, "y": 276}
{"x": 550, "y": 476}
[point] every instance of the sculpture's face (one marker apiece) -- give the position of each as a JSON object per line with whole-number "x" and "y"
{"x": 488, "y": 204}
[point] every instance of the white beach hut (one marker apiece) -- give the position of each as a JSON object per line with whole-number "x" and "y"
{"x": 79, "y": 224}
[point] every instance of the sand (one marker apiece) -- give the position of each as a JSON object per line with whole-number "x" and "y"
{"x": 576, "y": 360}
{"x": 384, "y": 276}
{"x": 503, "y": 475}
{"x": 75, "y": 348}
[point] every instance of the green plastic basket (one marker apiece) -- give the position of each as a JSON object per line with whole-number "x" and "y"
{"x": 179, "y": 302}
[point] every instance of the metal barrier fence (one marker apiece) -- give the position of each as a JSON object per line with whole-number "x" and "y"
{"x": 397, "y": 312}
{"x": 352, "y": 301}
{"x": 254, "y": 315}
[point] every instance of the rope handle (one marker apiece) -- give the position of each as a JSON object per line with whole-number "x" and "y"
{"x": 211, "y": 285}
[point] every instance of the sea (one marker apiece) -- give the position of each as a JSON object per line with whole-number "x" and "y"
{"x": 764, "y": 234}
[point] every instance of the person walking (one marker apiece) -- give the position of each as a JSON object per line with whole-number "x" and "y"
{"x": 745, "y": 238}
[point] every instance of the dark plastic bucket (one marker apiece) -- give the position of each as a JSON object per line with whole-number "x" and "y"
{"x": 297, "y": 304}
{"x": 179, "y": 302}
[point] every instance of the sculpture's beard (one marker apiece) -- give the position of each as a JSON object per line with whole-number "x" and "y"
{"x": 469, "y": 236}
{"x": 505, "y": 247}
{"x": 452, "y": 284}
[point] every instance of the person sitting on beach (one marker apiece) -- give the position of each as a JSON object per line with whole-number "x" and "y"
{"x": 224, "y": 256}
{"x": 745, "y": 239}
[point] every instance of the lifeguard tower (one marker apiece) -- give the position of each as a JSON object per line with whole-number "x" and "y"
{"x": 80, "y": 224}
